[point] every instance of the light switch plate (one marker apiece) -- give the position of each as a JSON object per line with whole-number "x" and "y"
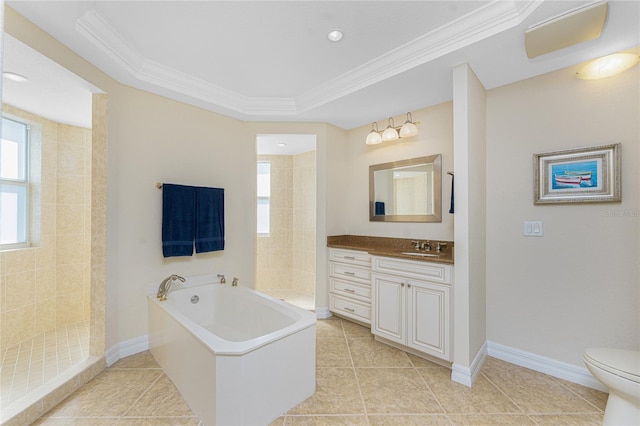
{"x": 533, "y": 228}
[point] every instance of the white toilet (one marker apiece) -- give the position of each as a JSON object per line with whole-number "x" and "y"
{"x": 619, "y": 371}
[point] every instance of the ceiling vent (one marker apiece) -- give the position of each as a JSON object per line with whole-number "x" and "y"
{"x": 570, "y": 28}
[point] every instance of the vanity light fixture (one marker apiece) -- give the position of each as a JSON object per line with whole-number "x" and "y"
{"x": 608, "y": 66}
{"x": 391, "y": 132}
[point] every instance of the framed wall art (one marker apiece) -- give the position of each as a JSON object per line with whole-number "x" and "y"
{"x": 583, "y": 175}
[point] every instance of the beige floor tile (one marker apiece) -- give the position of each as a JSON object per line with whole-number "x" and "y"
{"x": 109, "y": 394}
{"x": 370, "y": 353}
{"x": 568, "y": 419}
{"x": 161, "y": 399}
{"x": 423, "y": 363}
{"x": 329, "y": 329}
{"x": 77, "y": 421}
{"x": 535, "y": 392}
{"x": 593, "y": 396}
{"x": 278, "y": 422}
{"x": 396, "y": 390}
{"x": 326, "y": 420}
{"x": 140, "y": 360}
{"x": 332, "y": 353}
{"x": 417, "y": 420}
{"x": 336, "y": 393}
{"x": 491, "y": 419}
{"x": 356, "y": 331}
{"x": 455, "y": 398}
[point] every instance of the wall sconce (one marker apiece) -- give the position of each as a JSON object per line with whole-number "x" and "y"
{"x": 392, "y": 133}
{"x": 608, "y": 66}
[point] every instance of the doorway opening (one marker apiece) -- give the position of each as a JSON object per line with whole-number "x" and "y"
{"x": 286, "y": 217}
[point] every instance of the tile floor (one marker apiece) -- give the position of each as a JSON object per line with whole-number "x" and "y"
{"x": 359, "y": 382}
{"x": 295, "y": 297}
{"x": 28, "y": 365}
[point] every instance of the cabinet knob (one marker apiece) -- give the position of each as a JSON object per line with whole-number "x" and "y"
{"x": 401, "y": 284}
{"x": 408, "y": 285}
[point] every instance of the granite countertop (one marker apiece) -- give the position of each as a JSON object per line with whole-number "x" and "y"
{"x": 393, "y": 247}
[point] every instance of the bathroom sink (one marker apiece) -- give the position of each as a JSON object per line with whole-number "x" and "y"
{"x": 415, "y": 253}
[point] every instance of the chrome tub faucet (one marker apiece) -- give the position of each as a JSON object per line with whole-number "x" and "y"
{"x": 165, "y": 285}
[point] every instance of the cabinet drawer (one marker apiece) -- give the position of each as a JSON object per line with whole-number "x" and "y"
{"x": 433, "y": 272}
{"x": 350, "y": 308}
{"x": 352, "y": 257}
{"x": 350, "y": 273}
{"x": 350, "y": 289}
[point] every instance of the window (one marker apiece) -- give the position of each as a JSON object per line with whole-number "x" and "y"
{"x": 264, "y": 194}
{"x": 14, "y": 184}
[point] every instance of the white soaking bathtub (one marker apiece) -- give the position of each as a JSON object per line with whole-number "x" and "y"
{"x": 237, "y": 356}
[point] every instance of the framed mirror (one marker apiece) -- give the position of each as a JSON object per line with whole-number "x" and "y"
{"x": 406, "y": 191}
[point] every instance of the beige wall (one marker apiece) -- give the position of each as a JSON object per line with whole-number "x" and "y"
{"x": 469, "y": 296}
{"x": 47, "y": 286}
{"x": 435, "y": 136}
{"x": 578, "y": 286}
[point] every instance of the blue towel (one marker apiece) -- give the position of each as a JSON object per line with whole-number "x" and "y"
{"x": 379, "y": 210}
{"x": 209, "y": 219}
{"x": 178, "y": 219}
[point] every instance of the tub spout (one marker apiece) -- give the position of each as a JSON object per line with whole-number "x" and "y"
{"x": 165, "y": 285}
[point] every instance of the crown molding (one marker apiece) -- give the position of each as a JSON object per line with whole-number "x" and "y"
{"x": 484, "y": 22}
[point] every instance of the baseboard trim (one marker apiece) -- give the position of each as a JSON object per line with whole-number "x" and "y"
{"x": 467, "y": 375}
{"x": 542, "y": 364}
{"x": 322, "y": 312}
{"x": 126, "y": 348}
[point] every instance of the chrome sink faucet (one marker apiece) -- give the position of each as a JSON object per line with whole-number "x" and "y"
{"x": 165, "y": 285}
{"x": 426, "y": 246}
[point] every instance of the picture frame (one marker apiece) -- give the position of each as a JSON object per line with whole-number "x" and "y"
{"x": 582, "y": 175}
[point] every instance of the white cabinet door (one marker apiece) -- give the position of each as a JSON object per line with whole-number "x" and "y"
{"x": 388, "y": 318}
{"x": 428, "y": 318}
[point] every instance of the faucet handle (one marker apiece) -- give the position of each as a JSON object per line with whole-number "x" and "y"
{"x": 234, "y": 283}
{"x": 417, "y": 244}
{"x": 222, "y": 278}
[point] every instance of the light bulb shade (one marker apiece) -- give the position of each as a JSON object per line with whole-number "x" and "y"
{"x": 373, "y": 138}
{"x": 608, "y": 66}
{"x": 408, "y": 130}
{"x": 390, "y": 134}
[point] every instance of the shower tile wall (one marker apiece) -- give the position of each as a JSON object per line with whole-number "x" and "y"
{"x": 273, "y": 260}
{"x": 286, "y": 258}
{"x": 304, "y": 222}
{"x": 46, "y": 286}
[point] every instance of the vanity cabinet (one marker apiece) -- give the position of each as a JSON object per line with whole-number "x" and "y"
{"x": 350, "y": 284}
{"x": 411, "y": 304}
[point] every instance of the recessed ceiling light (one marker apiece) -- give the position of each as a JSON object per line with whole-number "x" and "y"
{"x": 335, "y": 35}
{"x": 282, "y": 144}
{"x": 15, "y": 77}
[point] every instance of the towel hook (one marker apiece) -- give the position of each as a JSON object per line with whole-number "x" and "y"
{"x": 158, "y": 185}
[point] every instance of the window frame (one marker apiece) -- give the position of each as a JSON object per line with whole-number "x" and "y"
{"x": 24, "y": 219}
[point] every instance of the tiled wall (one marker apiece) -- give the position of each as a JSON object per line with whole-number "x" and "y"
{"x": 47, "y": 285}
{"x": 286, "y": 258}
{"x": 304, "y": 222}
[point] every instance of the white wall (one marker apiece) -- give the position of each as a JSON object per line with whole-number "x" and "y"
{"x": 435, "y": 136}
{"x": 578, "y": 286}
